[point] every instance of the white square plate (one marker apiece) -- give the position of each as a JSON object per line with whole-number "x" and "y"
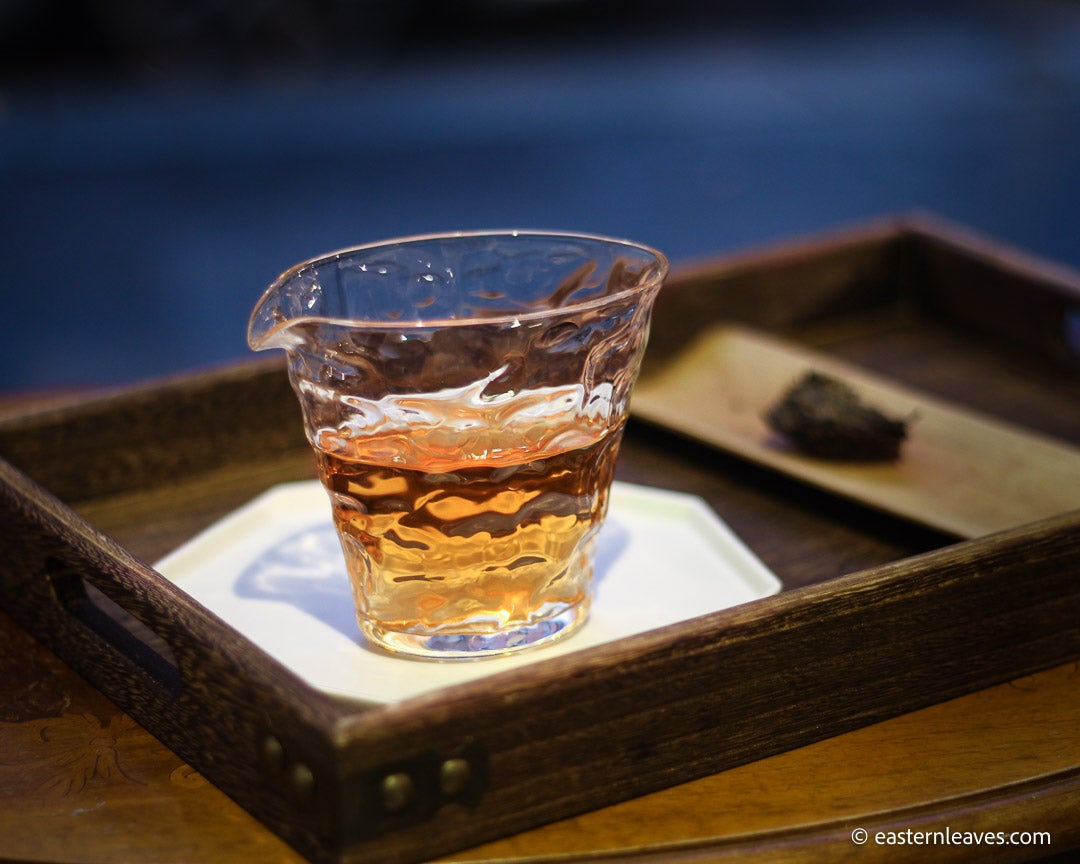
{"x": 275, "y": 572}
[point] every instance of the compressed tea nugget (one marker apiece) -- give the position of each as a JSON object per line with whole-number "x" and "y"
{"x": 824, "y": 417}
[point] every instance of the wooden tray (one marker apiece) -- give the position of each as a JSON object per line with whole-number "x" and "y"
{"x": 880, "y": 615}
{"x": 960, "y": 471}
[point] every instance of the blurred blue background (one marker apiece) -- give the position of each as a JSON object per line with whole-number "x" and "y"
{"x": 162, "y": 161}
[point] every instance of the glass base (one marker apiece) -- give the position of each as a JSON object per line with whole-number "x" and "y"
{"x": 477, "y": 646}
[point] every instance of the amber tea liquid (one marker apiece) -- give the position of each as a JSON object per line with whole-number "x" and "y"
{"x": 447, "y": 546}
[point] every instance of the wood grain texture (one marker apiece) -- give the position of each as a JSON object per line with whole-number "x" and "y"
{"x": 959, "y": 471}
{"x": 975, "y": 763}
{"x": 84, "y": 784}
{"x": 139, "y": 438}
{"x": 81, "y": 781}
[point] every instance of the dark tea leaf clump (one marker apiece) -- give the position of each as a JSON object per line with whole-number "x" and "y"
{"x": 824, "y": 417}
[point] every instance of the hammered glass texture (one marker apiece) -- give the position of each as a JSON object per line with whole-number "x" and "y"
{"x": 511, "y": 312}
{"x": 465, "y": 396}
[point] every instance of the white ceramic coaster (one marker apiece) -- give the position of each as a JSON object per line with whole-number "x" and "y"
{"x": 274, "y": 571}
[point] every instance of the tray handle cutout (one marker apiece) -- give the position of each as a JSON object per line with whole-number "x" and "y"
{"x": 120, "y": 632}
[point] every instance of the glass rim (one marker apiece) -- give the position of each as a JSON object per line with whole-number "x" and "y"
{"x": 661, "y": 260}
